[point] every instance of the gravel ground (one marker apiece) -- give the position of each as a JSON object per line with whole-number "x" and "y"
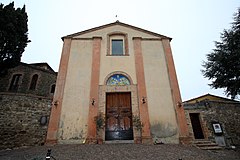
{"x": 119, "y": 152}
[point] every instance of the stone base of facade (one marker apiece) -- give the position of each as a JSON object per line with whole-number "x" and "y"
{"x": 50, "y": 142}
{"x": 185, "y": 140}
{"x": 147, "y": 140}
{"x": 137, "y": 140}
{"x": 91, "y": 141}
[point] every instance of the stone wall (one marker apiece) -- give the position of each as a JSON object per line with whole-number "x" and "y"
{"x": 20, "y": 120}
{"x": 225, "y": 113}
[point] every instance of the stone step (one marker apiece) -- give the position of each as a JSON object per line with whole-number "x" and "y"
{"x": 201, "y": 141}
{"x": 206, "y": 145}
{"x": 211, "y": 148}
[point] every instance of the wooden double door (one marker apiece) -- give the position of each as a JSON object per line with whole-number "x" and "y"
{"x": 118, "y": 116}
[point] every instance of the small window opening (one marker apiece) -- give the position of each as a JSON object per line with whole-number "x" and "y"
{"x": 34, "y": 82}
{"x": 15, "y": 82}
{"x": 53, "y": 88}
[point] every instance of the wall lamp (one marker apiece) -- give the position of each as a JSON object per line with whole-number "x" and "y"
{"x": 93, "y": 101}
{"x": 55, "y": 103}
{"x": 43, "y": 120}
{"x": 144, "y": 100}
{"x": 179, "y": 104}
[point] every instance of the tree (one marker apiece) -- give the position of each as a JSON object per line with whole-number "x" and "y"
{"x": 223, "y": 63}
{"x": 13, "y": 35}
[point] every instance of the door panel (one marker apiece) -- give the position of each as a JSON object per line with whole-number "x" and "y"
{"x": 118, "y": 116}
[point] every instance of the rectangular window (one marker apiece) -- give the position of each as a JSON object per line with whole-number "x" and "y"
{"x": 117, "y": 47}
{"x": 53, "y": 88}
{"x": 34, "y": 82}
{"x": 15, "y": 82}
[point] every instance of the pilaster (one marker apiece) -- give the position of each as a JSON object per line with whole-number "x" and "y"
{"x": 58, "y": 95}
{"x": 142, "y": 93}
{"x": 94, "y": 88}
{"x": 182, "y": 122}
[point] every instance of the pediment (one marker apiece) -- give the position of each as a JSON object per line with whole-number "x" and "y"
{"x": 114, "y": 28}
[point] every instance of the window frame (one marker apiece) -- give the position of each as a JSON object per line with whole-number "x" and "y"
{"x": 117, "y": 36}
{"x": 52, "y": 88}
{"x": 33, "y": 82}
{"x": 15, "y": 82}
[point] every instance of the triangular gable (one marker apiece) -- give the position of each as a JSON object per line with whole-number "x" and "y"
{"x": 116, "y": 23}
{"x": 43, "y": 66}
{"x": 209, "y": 97}
{"x": 37, "y": 66}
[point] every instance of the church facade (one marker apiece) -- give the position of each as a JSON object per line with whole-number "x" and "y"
{"x": 117, "y": 83}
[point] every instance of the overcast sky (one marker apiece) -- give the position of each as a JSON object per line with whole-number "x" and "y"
{"x": 194, "y": 25}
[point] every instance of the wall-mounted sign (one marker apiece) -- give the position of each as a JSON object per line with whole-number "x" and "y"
{"x": 217, "y": 128}
{"x": 43, "y": 120}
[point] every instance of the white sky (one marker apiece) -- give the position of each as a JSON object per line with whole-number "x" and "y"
{"x": 194, "y": 25}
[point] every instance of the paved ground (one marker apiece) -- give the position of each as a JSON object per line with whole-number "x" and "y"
{"x": 119, "y": 152}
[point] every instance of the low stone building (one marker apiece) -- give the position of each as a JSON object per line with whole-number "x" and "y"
{"x": 213, "y": 118}
{"x": 26, "y": 93}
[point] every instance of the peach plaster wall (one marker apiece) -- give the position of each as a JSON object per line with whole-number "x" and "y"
{"x": 75, "y": 108}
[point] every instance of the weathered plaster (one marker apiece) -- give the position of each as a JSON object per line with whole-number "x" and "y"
{"x": 74, "y": 113}
{"x": 160, "y": 102}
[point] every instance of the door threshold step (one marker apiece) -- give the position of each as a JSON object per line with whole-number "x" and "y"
{"x": 119, "y": 142}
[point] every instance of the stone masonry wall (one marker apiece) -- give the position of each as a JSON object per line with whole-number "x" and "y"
{"x": 45, "y": 80}
{"x": 225, "y": 113}
{"x": 20, "y": 120}
{"x": 228, "y": 115}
